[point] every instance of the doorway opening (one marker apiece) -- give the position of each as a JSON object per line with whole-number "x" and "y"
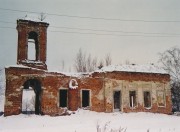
{"x": 85, "y": 98}
{"x": 63, "y": 94}
{"x": 31, "y": 97}
{"x": 117, "y": 100}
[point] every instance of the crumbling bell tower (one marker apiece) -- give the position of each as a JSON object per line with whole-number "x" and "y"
{"x": 32, "y": 40}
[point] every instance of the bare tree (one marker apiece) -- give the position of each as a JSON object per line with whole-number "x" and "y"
{"x": 175, "y": 90}
{"x": 171, "y": 63}
{"x": 101, "y": 64}
{"x": 80, "y": 61}
{"x": 89, "y": 63}
{"x": 108, "y": 59}
{"x": 127, "y": 62}
{"x": 94, "y": 63}
{"x": 28, "y": 105}
{"x": 84, "y": 63}
{"x": 62, "y": 65}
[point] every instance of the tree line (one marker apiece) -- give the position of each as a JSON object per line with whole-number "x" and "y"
{"x": 87, "y": 63}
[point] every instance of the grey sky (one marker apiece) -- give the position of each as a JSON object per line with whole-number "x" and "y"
{"x": 140, "y": 49}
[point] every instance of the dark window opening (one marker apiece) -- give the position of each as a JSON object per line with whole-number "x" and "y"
{"x": 33, "y": 47}
{"x": 132, "y": 98}
{"x": 147, "y": 99}
{"x": 85, "y": 98}
{"x": 34, "y": 85}
{"x": 63, "y": 98}
{"x": 117, "y": 100}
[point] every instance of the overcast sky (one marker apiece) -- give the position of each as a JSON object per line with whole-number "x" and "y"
{"x": 148, "y": 27}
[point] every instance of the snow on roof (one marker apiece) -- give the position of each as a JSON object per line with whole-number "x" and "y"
{"x": 111, "y": 68}
{"x": 34, "y": 17}
{"x": 133, "y": 68}
{"x": 23, "y": 66}
{"x": 17, "y": 66}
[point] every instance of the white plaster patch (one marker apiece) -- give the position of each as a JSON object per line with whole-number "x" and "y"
{"x": 14, "y": 94}
{"x": 9, "y": 103}
{"x": 100, "y": 95}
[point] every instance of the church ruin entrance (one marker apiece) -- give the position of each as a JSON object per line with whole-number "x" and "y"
{"x": 85, "y": 98}
{"x": 31, "y": 98}
{"x": 117, "y": 100}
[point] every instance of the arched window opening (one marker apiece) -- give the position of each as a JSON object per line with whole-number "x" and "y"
{"x": 33, "y": 48}
{"x": 31, "y": 97}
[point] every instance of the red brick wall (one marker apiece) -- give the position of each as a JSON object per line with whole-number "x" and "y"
{"x": 94, "y": 85}
{"x": 52, "y": 82}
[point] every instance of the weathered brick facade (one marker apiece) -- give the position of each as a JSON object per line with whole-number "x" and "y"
{"x": 32, "y": 30}
{"x": 99, "y": 91}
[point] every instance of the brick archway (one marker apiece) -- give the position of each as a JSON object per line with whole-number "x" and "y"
{"x": 36, "y": 86}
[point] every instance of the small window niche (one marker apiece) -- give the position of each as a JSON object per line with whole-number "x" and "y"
{"x": 147, "y": 99}
{"x": 132, "y": 99}
{"x": 161, "y": 98}
{"x": 63, "y": 98}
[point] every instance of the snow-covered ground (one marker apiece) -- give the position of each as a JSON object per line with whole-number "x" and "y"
{"x": 88, "y": 121}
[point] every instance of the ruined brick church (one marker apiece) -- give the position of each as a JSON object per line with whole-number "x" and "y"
{"x": 110, "y": 89}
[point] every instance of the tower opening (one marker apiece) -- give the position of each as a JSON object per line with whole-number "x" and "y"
{"x": 33, "y": 46}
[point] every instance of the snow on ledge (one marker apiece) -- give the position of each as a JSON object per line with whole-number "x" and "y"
{"x": 17, "y": 66}
{"x": 23, "y": 66}
{"x": 73, "y": 84}
{"x": 133, "y": 68}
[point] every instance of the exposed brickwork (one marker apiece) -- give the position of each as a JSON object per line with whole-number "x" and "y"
{"x": 100, "y": 86}
{"x": 73, "y": 99}
{"x": 24, "y": 27}
{"x": 101, "y": 89}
